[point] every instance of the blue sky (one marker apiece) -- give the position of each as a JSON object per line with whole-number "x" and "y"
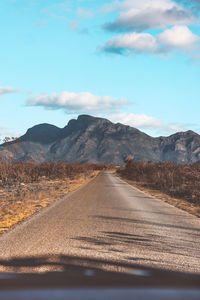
{"x": 132, "y": 62}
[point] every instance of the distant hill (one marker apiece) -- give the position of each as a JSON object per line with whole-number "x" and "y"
{"x": 91, "y": 139}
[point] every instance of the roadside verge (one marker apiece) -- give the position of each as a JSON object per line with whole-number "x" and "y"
{"x": 179, "y": 203}
{"x": 21, "y": 202}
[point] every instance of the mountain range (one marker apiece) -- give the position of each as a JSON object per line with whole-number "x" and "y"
{"x": 97, "y": 140}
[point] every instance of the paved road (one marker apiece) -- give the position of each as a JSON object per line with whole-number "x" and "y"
{"x": 107, "y": 219}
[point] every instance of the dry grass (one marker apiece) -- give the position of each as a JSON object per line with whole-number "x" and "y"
{"x": 26, "y": 188}
{"x": 178, "y": 185}
{"x": 28, "y": 172}
{"x": 22, "y": 202}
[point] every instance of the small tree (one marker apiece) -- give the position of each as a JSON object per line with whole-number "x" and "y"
{"x": 7, "y": 139}
{"x": 129, "y": 158}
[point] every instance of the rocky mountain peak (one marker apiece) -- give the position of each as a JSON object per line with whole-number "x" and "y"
{"x": 42, "y": 133}
{"x": 92, "y": 139}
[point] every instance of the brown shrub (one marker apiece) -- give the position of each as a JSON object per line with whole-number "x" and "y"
{"x": 27, "y": 172}
{"x": 181, "y": 181}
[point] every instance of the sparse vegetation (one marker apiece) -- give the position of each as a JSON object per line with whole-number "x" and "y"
{"x": 28, "y": 172}
{"x": 178, "y": 181}
{"x": 25, "y": 188}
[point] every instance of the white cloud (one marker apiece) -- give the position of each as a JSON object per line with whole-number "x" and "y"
{"x": 141, "y": 15}
{"x": 178, "y": 38}
{"x": 136, "y": 42}
{"x": 7, "y": 90}
{"x": 146, "y": 123}
{"x": 136, "y": 18}
{"x": 141, "y": 121}
{"x": 83, "y": 102}
{"x": 173, "y": 128}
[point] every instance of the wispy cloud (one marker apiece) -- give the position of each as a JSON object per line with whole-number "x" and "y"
{"x": 72, "y": 103}
{"x": 74, "y": 25}
{"x": 7, "y": 90}
{"x": 57, "y": 10}
{"x": 84, "y": 13}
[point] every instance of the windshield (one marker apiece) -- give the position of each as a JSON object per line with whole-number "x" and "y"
{"x": 99, "y": 143}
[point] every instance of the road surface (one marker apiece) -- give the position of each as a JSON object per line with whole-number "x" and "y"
{"x": 109, "y": 220}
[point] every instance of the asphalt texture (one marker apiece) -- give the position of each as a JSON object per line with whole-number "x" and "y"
{"x": 109, "y": 220}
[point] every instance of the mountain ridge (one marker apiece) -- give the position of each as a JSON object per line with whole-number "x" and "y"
{"x": 92, "y": 139}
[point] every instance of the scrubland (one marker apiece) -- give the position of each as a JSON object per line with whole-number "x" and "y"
{"x": 177, "y": 184}
{"x": 25, "y": 188}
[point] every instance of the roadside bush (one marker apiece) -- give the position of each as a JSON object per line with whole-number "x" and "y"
{"x": 181, "y": 181}
{"x": 25, "y": 172}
